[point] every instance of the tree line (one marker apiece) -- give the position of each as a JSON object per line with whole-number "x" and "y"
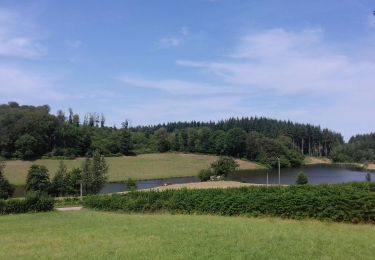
{"x": 29, "y": 132}
{"x": 88, "y": 179}
{"x": 309, "y": 139}
{"x": 360, "y": 148}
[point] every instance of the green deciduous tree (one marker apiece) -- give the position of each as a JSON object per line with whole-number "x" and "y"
{"x": 236, "y": 142}
{"x": 224, "y": 166}
{"x": 38, "y": 179}
{"x": 72, "y": 182}
{"x": 162, "y": 141}
{"x": 94, "y": 173}
{"x": 26, "y": 147}
{"x": 59, "y": 185}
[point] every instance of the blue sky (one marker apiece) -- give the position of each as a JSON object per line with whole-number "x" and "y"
{"x": 160, "y": 61}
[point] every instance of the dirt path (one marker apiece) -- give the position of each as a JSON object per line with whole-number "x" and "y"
{"x": 206, "y": 185}
{"x": 69, "y": 209}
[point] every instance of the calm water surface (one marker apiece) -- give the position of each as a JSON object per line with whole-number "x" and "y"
{"x": 315, "y": 174}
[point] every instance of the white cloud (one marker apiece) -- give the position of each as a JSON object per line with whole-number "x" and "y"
{"x": 292, "y": 63}
{"x": 18, "y": 38}
{"x": 180, "y": 87}
{"x": 20, "y": 85}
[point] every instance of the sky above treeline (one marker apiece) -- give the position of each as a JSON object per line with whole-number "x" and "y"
{"x": 159, "y": 61}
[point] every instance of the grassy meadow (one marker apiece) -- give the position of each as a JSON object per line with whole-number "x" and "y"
{"x": 97, "y": 235}
{"x": 141, "y": 167}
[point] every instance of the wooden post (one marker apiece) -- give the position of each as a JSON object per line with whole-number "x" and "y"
{"x": 81, "y": 189}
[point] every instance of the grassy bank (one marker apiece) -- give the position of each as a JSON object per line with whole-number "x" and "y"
{"x": 312, "y": 160}
{"x": 141, "y": 167}
{"x": 97, "y": 235}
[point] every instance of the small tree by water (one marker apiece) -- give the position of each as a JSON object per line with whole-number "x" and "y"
{"x": 368, "y": 177}
{"x": 131, "y": 184}
{"x": 302, "y": 179}
{"x": 204, "y": 174}
{"x": 224, "y": 165}
{"x": 94, "y": 173}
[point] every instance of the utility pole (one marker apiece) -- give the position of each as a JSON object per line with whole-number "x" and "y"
{"x": 267, "y": 179}
{"x": 80, "y": 184}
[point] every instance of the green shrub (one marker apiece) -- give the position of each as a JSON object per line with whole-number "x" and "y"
{"x": 204, "y": 174}
{"x": 131, "y": 184}
{"x": 6, "y": 189}
{"x": 34, "y": 202}
{"x": 340, "y": 202}
{"x": 302, "y": 179}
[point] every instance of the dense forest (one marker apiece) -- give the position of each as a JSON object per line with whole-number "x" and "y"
{"x": 30, "y": 132}
{"x": 361, "y": 148}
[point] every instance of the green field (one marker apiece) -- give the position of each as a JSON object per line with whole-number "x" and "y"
{"x": 141, "y": 167}
{"x": 97, "y": 235}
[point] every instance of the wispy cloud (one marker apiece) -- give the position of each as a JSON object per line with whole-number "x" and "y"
{"x": 74, "y": 44}
{"x": 182, "y": 87}
{"x": 291, "y": 63}
{"x": 299, "y": 65}
{"x": 170, "y": 42}
{"x": 174, "y": 41}
{"x": 18, "y": 38}
{"x": 22, "y": 85}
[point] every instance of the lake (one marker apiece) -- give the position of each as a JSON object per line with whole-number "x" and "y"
{"x": 316, "y": 174}
{"x": 324, "y": 174}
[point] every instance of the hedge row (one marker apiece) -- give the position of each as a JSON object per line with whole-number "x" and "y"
{"x": 353, "y": 202}
{"x": 33, "y": 202}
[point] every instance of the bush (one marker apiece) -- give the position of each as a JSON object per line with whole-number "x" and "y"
{"x": 301, "y": 179}
{"x": 224, "y": 166}
{"x": 204, "y": 174}
{"x": 131, "y": 184}
{"x": 339, "y": 202}
{"x": 6, "y": 189}
{"x": 34, "y": 202}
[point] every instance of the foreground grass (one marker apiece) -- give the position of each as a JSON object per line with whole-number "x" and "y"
{"x": 141, "y": 167}
{"x": 93, "y": 235}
